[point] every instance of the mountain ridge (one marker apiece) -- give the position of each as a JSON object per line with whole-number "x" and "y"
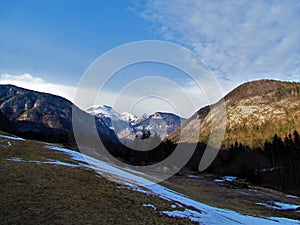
{"x": 127, "y": 125}
{"x": 255, "y": 111}
{"x": 42, "y": 116}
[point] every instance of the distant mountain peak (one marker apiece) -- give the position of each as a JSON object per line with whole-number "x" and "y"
{"x": 127, "y": 124}
{"x": 128, "y": 116}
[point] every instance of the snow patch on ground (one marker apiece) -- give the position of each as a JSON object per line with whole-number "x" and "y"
{"x": 226, "y": 178}
{"x": 12, "y": 138}
{"x": 124, "y": 176}
{"x": 5, "y": 144}
{"x": 279, "y": 206}
{"x": 150, "y": 206}
{"x": 15, "y": 159}
{"x": 201, "y": 213}
{"x": 58, "y": 163}
{"x": 120, "y": 186}
{"x": 173, "y": 206}
{"x": 218, "y": 180}
{"x": 292, "y": 196}
{"x": 193, "y": 176}
{"x": 186, "y": 214}
{"x": 230, "y": 178}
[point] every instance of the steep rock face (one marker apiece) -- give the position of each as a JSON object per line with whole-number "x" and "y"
{"x": 255, "y": 111}
{"x": 42, "y": 114}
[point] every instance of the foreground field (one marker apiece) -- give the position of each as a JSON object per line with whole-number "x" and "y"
{"x": 65, "y": 193}
{"x": 46, "y": 184}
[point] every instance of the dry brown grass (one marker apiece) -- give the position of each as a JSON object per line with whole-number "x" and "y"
{"x": 242, "y": 200}
{"x": 34, "y": 193}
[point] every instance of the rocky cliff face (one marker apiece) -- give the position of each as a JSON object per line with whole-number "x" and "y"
{"x": 255, "y": 111}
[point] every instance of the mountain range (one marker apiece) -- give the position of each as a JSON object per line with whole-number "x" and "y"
{"x": 128, "y": 126}
{"x": 255, "y": 111}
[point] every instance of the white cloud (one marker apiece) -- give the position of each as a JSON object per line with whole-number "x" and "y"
{"x": 142, "y": 96}
{"x": 26, "y": 77}
{"x": 155, "y": 93}
{"x": 28, "y": 81}
{"x": 239, "y": 40}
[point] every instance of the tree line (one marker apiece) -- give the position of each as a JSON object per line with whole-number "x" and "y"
{"x": 275, "y": 165}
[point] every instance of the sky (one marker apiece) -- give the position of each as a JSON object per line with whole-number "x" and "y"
{"x": 49, "y": 46}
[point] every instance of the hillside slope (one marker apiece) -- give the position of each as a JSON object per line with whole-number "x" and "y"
{"x": 255, "y": 111}
{"x": 42, "y": 116}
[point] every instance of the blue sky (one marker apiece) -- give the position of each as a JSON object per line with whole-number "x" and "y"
{"x": 48, "y": 45}
{"x": 57, "y": 40}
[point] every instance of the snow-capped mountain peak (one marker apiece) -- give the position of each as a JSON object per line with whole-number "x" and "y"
{"x": 103, "y": 111}
{"x": 128, "y": 116}
{"x": 128, "y": 125}
{"x": 108, "y": 111}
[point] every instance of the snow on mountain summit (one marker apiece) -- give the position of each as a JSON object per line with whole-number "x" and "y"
{"x": 128, "y": 116}
{"x": 127, "y": 125}
{"x": 104, "y": 111}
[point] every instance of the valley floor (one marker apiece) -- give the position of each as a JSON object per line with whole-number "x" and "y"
{"x": 221, "y": 192}
{"x": 44, "y": 184}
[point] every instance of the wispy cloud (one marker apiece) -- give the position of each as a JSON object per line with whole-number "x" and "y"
{"x": 239, "y": 40}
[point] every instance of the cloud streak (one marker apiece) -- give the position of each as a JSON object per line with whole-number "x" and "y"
{"x": 239, "y": 40}
{"x": 28, "y": 81}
